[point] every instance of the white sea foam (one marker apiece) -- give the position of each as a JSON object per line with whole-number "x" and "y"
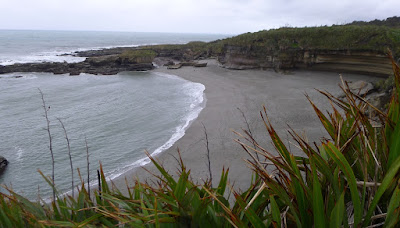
{"x": 49, "y": 46}
{"x": 196, "y": 92}
{"x": 58, "y": 55}
{"x": 19, "y": 152}
{"x": 42, "y": 57}
{"x": 18, "y": 76}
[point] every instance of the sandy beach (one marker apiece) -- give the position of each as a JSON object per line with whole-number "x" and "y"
{"x": 226, "y": 92}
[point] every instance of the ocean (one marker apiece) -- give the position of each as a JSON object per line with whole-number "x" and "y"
{"x": 120, "y": 116}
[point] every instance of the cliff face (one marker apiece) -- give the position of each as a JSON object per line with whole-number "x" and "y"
{"x": 362, "y": 62}
{"x": 338, "y": 48}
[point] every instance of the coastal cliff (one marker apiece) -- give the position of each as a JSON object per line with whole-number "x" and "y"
{"x": 359, "y": 47}
{"x": 345, "y": 48}
{"x": 361, "y": 62}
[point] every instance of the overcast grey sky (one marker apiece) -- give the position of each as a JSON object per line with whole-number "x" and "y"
{"x": 192, "y": 16}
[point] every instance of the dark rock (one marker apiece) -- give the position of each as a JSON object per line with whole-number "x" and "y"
{"x": 169, "y": 63}
{"x": 361, "y": 87}
{"x": 3, "y": 164}
{"x": 107, "y": 65}
{"x": 188, "y": 63}
{"x": 200, "y": 65}
{"x": 103, "y": 52}
{"x": 74, "y": 73}
{"x": 379, "y": 101}
{"x": 103, "y": 60}
{"x": 174, "y": 67}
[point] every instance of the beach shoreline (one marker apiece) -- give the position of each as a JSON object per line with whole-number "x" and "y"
{"x": 234, "y": 97}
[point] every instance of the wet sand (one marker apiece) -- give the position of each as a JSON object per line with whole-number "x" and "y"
{"x": 226, "y": 92}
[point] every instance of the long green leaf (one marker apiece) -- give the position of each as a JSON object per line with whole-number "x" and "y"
{"x": 5, "y": 221}
{"x": 318, "y": 202}
{"x": 33, "y": 208}
{"x": 180, "y": 188}
{"x": 386, "y": 183}
{"x": 60, "y": 223}
{"x": 254, "y": 219}
{"x": 394, "y": 149}
{"x": 336, "y": 218}
{"x": 393, "y": 211}
{"x": 341, "y": 161}
{"x": 276, "y": 213}
{"x": 166, "y": 175}
{"x": 222, "y": 182}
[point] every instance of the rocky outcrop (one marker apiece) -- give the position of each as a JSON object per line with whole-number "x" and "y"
{"x": 3, "y": 164}
{"x": 103, "y": 52}
{"x": 376, "y": 95}
{"x": 361, "y": 87}
{"x": 105, "y": 65}
{"x": 341, "y": 61}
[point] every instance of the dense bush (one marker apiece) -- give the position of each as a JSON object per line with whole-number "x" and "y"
{"x": 339, "y": 37}
{"x": 353, "y": 37}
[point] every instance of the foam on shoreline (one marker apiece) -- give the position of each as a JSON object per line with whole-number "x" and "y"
{"x": 68, "y": 56}
{"x": 56, "y": 56}
{"x": 194, "y": 90}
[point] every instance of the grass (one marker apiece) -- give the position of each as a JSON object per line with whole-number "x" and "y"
{"x": 350, "y": 179}
{"x": 137, "y": 56}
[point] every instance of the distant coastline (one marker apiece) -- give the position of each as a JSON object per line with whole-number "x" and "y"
{"x": 358, "y": 47}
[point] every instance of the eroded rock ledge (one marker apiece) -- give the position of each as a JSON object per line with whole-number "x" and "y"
{"x": 341, "y": 61}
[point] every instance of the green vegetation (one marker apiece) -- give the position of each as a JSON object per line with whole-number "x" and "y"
{"x": 385, "y": 84}
{"x": 137, "y": 56}
{"x": 345, "y": 37}
{"x": 370, "y": 37}
{"x": 191, "y": 45}
{"x": 391, "y": 22}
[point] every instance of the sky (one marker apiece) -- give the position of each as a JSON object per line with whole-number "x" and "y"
{"x": 188, "y": 16}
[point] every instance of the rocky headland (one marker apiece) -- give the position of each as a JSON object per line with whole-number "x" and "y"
{"x": 354, "y": 48}
{"x": 107, "y": 64}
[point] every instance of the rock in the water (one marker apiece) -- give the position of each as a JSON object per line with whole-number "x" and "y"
{"x": 3, "y": 163}
{"x": 169, "y": 63}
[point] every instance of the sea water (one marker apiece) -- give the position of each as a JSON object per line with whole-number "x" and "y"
{"x": 119, "y": 116}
